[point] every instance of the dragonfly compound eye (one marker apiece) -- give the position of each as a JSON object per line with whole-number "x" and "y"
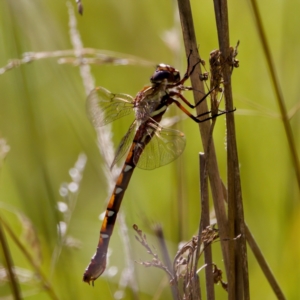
{"x": 165, "y": 73}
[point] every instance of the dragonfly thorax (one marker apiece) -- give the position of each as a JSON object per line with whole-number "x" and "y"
{"x": 165, "y": 74}
{"x": 148, "y": 101}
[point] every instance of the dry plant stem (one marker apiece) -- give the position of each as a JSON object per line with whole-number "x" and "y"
{"x": 46, "y": 284}
{"x": 89, "y": 56}
{"x": 204, "y": 222}
{"x": 198, "y": 90}
{"x": 9, "y": 265}
{"x": 264, "y": 266}
{"x": 238, "y": 278}
{"x": 166, "y": 257}
{"x": 156, "y": 262}
{"x": 204, "y": 219}
{"x": 277, "y": 88}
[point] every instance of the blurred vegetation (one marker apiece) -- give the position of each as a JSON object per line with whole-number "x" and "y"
{"x": 43, "y": 121}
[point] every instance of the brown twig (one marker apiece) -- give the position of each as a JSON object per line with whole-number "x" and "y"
{"x": 216, "y": 80}
{"x": 238, "y": 278}
{"x": 205, "y": 221}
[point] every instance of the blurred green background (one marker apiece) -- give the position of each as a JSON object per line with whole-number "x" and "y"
{"x": 43, "y": 120}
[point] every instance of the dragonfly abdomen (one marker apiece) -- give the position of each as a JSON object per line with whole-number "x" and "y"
{"x": 98, "y": 261}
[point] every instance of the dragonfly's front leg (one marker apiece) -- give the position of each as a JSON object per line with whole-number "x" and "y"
{"x": 196, "y": 118}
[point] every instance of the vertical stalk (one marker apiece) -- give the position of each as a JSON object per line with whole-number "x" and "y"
{"x": 278, "y": 91}
{"x": 210, "y": 292}
{"x": 9, "y": 265}
{"x": 238, "y": 278}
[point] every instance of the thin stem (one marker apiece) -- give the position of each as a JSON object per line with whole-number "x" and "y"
{"x": 166, "y": 257}
{"x": 46, "y": 284}
{"x": 210, "y": 292}
{"x": 9, "y": 265}
{"x": 277, "y": 88}
{"x": 264, "y": 265}
{"x": 238, "y": 278}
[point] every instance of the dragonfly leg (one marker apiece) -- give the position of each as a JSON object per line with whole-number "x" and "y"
{"x": 188, "y": 72}
{"x": 221, "y": 112}
{"x": 196, "y": 119}
{"x": 176, "y": 94}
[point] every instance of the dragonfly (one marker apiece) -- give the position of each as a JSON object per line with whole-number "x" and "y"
{"x": 148, "y": 145}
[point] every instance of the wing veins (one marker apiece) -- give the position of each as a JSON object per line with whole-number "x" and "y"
{"x": 104, "y": 107}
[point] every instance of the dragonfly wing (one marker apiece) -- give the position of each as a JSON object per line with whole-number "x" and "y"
{"x": 125, "y": 143}
{"x": 165, "y": 146}
{"x": 104, "y": 107}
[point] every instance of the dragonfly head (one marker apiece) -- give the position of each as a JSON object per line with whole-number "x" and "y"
{"x": 165, "y": 74}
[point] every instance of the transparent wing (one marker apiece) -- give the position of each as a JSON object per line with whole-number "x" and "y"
{"x": 165, "y": 146}
{"x": 125, "y": 143}
{"x": 104, "y": 107}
